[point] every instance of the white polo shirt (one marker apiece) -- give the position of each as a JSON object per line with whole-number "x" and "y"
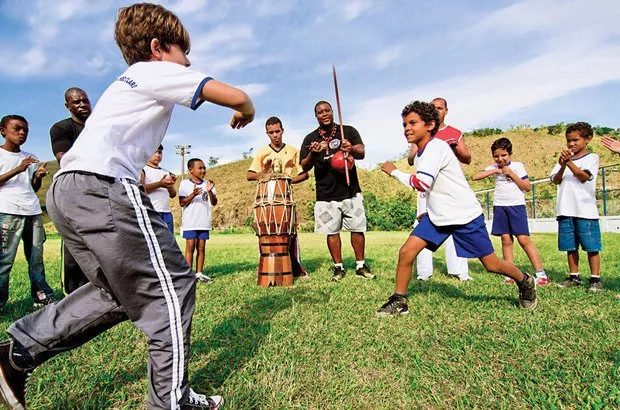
{"x": 16, "y": 195}
{"x": 576, "y": 198}
{"x": 131, "y": 117}
{"x": 507, "y": 193}
{"x": 197, "y": 214}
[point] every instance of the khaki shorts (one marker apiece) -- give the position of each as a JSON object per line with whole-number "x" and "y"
{"x": 330, "y": 217}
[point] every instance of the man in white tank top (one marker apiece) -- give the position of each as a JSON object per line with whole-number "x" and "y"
{"x": 159, "y": 186}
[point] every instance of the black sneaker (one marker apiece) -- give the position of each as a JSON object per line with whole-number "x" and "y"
{"x": 528, "y": 296}
{"x": 48, "y": 300}
{"x": 12, "y": 379}
{"x": 364, "y": 272}
{"x": 596, "y": 286}
{"x": 338, "y": 274}
{"x": 200, "y": 401}
{"x": 396, "y": 305}
{"x": 570, "y": 282}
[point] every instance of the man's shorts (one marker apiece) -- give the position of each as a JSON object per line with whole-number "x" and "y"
{"x": 471, "y": 240}
{"x": 330, "y": 217}
{"x": 573, "y": 231}
{"x": 196, "y": 234}
{"x": 510, "y": 220}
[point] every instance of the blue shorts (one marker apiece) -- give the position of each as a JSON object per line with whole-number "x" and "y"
{"x": 167, "y": 217}
{"x": 511, "y": 220}
{"x": 471, "y": 240}
{"x": 573, "y": 231}
{"x": 196, "y": 234}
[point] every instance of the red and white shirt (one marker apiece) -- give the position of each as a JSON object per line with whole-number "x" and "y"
{"x": 449, "y": 134}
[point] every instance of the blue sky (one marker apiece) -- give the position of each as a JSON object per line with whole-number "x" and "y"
{"x": 497, "y": 63}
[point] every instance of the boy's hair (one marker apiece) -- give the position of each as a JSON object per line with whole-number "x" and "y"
{"x": 273, "y": 121}
{"x": 426, "y": 111}
{"x": 502, "y": 143}
{"x": 319, "y": 103}
{"x": 140, "y": 23}
{"x": 5, "y": 120}
{"x": 583, "y": 128}
{"x": 191, "y": 162}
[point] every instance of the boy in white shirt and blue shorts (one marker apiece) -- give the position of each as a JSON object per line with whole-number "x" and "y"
{"x": 452, "y": 209}
{"x": 135, "y": 267}
{"x": 577, "y": 213}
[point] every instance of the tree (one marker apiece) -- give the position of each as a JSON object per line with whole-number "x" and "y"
{"x": 248, "y": 154}
{"x": 212, "y": 161}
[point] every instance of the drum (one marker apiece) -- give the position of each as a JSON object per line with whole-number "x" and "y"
{"x": 274, "y": 223}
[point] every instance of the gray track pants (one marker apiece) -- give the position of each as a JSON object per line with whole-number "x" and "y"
{"x": 136, "y": 272}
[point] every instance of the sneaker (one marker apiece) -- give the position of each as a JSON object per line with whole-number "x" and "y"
{"x": 596, "y": 286}
{"x": 528, "y": 297}
{"x": 570, "y": 283}
{"x": 338, "y": 274}
{"x": 203, "y": 278}
{"x": 464, "y": 277}
{"x": 40, "y": 303}
{"x": 396, "y": 305}
{"x": 364, "y": 272}
{"x": 543, "y": 281}
{"x": 508, "y": 281}
{"x": 200, "y": 401}
{"x": 424, "y": 278}
{"x": 12, "y": 379}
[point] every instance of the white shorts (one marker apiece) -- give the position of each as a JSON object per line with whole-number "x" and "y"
{"x": 330, "y": 217}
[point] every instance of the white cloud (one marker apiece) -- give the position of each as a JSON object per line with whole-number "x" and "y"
{"x": 254, "y": 89}
{"x": 388, "y": 56}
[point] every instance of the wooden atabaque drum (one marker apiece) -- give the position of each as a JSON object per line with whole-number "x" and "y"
{"x": 274, "y": 223}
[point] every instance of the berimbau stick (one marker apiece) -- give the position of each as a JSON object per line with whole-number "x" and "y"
{"x": 346, "y": 154}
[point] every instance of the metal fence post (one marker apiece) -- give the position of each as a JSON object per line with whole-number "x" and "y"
{"x": 534, "y": 201}
{"x": 604, "y": 192}
{"x": 488, "y": 205}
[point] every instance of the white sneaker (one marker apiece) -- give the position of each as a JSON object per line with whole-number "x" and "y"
{"x": 203, "y": 278}
{"x": 464, "y": 277}
{"x": 424, "y": 278}
{"x": 201, "y": 401}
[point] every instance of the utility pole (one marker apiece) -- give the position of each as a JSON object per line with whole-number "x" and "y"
{"x": 181, "y": 150}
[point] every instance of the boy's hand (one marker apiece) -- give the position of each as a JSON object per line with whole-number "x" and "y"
{"x": 209, "y": 185}
{"x": 565, "y": 156}
{"x": 419, "y": 217}
{"x": 388, "y": 167}
{"x": 167, "y": 181}
{"x": 240, "y": 120}
{"x": 197, "y": 191}
{"x": 508, "y": 172}
{"x": 26, "y": 162}
{"x": 41, "y": 171}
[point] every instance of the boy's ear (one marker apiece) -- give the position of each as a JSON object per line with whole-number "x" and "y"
{"x": 156, "y": 50}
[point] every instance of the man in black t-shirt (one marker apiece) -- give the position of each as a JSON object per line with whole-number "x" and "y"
{"x": 338, "y": 205}
{"x": 63, "y": 135}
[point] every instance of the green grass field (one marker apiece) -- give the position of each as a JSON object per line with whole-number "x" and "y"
{"x": 318, "y": 345}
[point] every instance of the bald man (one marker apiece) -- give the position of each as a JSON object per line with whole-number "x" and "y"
{"x": 63, "y": 135}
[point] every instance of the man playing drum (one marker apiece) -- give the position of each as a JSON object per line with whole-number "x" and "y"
{"x": 280, "y": 158}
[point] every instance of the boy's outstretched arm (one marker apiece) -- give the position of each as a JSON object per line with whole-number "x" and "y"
{"x": 227, "y": 96}
{"x": 485, "y": 174}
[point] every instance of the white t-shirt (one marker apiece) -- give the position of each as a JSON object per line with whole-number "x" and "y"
{"x": 197, "y": 214}
{"x": 131, "y": 117}
{"x": 449, "y": 199}
{"x": 16, "y": 195}
{"x": 507, "y": 193}
{"x": 574, "y": 197}
{"x": 159, "y": 197}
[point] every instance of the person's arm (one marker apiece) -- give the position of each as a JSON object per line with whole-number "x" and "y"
{"x": 556, "y": 177}
{"x": 227, "y": 96}
{"x": 253, "y": 176}
{"x": 462, "y": 151}
{"x": 38, "y": 177}
{"x": 358, "y": 151}
{"x": 23, "y": 166}
{"x": 485, "y": 173}
{"x": 307, "y": 152}
{"x": 61, "y": 143}
{"x": 583, "y": 175}
{"x": 611, "y": 144}
{"x": 301, "y": 177}
{"x": 210, "y": 185}
{"x": 518, "y": 176}
{"x": 413, "y": 151}
{"x": 184, "y": 199}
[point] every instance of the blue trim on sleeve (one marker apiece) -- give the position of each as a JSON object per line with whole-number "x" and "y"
{"x": 524, "y": 177}
{"x": 426, "y": 173}
{"x": 196, "y": 102}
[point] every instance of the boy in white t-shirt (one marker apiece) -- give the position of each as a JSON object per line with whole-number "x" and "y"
{"x": 577, "y": 213}
{"x": 20, "y": 213}
{"x": 197, "y": 196}
{"x": 159, "y": 186}
{"x": 509, "y": 213}
{"x": 452, "y": 209}
{"x": 135, "y": 267}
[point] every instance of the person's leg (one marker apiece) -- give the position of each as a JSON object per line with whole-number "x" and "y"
{"x": 73, "y": 276}
{"x": 190, "y": 246}
{"x": 33, "y": 239}
{"x": 594, "y": 260}
{"x": 11, "y": 229}
{"x": 424, "y": 264}
{"x": 358, "y": 242}
{"x": 494, "y": 264}
{"x": 406, "y": 255}
{"x": 456, "y": 265}
{"x": 573, "y": 262}
{"x": 334, "y": 245}
{"x": 295, "y": 251}
{"x": 200, "y": 257}
{"x": 507, "y": 247}
{"x": 530, "y": 250}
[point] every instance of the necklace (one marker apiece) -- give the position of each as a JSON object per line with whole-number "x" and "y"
{"x": 323, "y": 133}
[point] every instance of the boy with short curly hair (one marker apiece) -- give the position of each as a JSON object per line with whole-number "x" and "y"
{"x": 135, "y": 267}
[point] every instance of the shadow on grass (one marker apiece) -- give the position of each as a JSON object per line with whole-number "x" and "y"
{"x": 454, "y": 292}
{"x": 238, "y": 338}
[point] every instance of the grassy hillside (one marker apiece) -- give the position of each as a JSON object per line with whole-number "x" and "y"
{"x": 536, "y": 149}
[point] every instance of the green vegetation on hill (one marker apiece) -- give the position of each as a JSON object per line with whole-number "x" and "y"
{"x": 387, "y": 199}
